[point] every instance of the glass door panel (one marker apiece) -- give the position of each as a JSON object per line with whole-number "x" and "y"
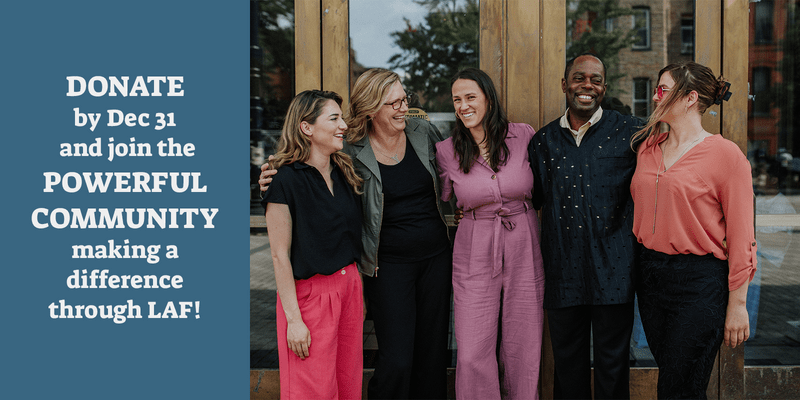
{"x": 635, "y": 39}
{"x": 773, "y": 148}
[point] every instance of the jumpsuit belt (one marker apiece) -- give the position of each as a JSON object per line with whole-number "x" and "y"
{"x": 501, "y": 220}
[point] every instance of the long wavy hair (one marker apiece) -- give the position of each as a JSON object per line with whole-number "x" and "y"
{"x": 688, "y": 76}
{"x": 295, "y": 146}
{"x": 367, "y": 98}
{"x": 495, "y": 126}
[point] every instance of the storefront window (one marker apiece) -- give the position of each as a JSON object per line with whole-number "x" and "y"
{"x": 773, "y": 138}
{"x": 425, "y": 42}
{"x": 271, "y": 90}
{"x": 624, "y": 34}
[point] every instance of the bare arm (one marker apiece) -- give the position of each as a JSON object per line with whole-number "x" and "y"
{"x": 737, "y": 321}
{"x": 279, "y": 226}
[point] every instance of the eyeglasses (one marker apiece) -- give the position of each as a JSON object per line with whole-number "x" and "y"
{"x": 659, "y": 91}
{"x": 399, "y": 102}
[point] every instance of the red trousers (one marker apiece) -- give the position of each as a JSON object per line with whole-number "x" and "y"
{"x": 332, "y": 309}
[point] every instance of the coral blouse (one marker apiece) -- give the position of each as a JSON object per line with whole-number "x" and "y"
{"x": 702, "y": 204}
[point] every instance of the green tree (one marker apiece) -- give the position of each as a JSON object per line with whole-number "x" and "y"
{"x": 433, "y": 51}
{"x": 596, "y": 26}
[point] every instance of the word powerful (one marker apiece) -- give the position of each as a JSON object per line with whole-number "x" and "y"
{"x": 143, "y": 182}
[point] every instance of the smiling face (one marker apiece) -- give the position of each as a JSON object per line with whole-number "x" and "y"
{"x": 470, "y": 103}
{"x": 584, "y": 86}
{"x": 327, "y": 132}
{"x": 388, "y": 119}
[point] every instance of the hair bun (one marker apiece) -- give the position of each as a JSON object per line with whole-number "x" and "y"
{"x": 724, "y": 92}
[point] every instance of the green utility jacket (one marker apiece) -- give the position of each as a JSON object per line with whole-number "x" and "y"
{"x": 423, "y": 136}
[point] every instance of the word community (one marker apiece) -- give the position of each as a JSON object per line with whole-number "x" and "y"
{"x": 134, "y": 218}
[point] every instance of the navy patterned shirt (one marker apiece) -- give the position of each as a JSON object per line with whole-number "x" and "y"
{"x": 583, "y": 191}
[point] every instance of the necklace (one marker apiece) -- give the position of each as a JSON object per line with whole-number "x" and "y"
{"x": 658, "y": 174}
{"x": 395, "y": 157}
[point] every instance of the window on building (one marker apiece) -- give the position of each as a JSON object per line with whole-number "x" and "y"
{"x": 641, "y": 97}
{"x": 687, "y": 34}
{"x": 641, "y": 24}
{"x": 764, "y": 17}
{"x": 762, "y": 81}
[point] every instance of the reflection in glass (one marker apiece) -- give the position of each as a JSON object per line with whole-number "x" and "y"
{"x": 633, "y": 47}
{"x": 635, "y": 39}
{"x": 271, "y": 80}
{"x": 774, "y": 150}
{"x": 426, "y": 42}
{"x": 641, "y": 23}
{"x": 271, "y": 90}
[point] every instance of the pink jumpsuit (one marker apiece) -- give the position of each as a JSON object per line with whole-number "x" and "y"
{"x": 496, "y": 259}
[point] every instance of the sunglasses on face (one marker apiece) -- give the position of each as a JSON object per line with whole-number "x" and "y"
{"x": 660, "y": 92}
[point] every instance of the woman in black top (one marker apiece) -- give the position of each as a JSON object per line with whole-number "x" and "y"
{"x": 404, "y": 236}
{"x": 314, "y": 220}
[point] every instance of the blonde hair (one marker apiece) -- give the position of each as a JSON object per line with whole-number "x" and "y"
{"x": 689, "y": 76}
{"x": 295, "y": 146}
{"x": 367, "y": 98}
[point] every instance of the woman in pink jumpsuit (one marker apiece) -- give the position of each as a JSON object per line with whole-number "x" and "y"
{"x": 496, "y": 257}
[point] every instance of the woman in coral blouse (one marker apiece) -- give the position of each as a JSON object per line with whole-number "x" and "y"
{"x": 496, "y": 256}
{"x": 693, "y": 212}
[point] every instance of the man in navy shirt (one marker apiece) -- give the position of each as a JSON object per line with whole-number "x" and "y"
{"x": 582, "y": 165}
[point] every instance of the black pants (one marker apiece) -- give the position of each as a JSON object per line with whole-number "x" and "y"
{"x": 410, "y": 306}
{"x": 683, "y": 300}
{"x": 609, "y": 327}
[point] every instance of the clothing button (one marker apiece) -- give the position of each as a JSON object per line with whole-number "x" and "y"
{"x": 754, "y": 243}
{"x": 344, "y": 272}
{"x": 494, "y": 176}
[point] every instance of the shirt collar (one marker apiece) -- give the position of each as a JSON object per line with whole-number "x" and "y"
{"x": 592, "y": 121}
{"x": 302, "y": 165}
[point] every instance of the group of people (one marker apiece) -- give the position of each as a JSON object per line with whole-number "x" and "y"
{"x": 356, "y": 203}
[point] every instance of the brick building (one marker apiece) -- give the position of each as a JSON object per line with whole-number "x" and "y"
{"x": 665, "y": 34}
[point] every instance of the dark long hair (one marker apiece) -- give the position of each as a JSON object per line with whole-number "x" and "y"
{"x": 495, "y": 125}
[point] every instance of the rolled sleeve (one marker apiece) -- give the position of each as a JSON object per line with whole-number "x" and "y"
{"x": 736, "y": 200}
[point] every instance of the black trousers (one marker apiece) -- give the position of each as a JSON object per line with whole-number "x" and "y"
{"x": 609, "y": 327}
{"x": 410, "y": 306}
{"x": 683, "y": 300}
